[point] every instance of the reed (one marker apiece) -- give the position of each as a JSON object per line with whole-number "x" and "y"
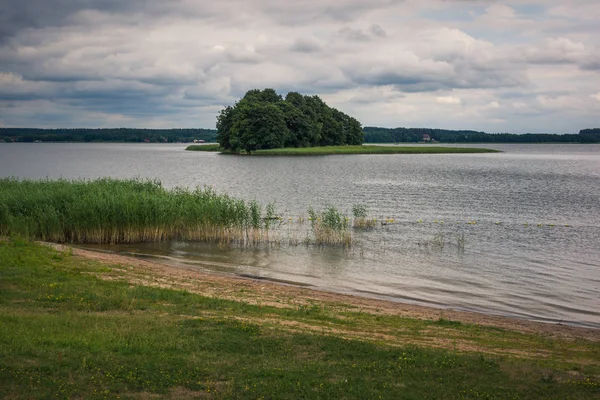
{"x": 361, "y": 219}
{"x": 330, "y": 227}
{"x": 439, "y": 241}
{"x": 127, "y": 211}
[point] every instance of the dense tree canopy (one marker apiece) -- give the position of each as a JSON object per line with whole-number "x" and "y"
{"x": 265, "y": 120}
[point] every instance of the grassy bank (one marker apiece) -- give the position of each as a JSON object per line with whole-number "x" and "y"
{"x": 369, "y": 149}
{"x": 127, "y": 211}
{"x": 364, "y": 149}
{"x": 75, "y": 328}
{"x": 204, "y": 147}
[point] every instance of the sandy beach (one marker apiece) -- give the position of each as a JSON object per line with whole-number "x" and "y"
{"x": 281, "y": 295}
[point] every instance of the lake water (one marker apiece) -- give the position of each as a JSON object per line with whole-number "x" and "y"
{"x": 514, "y": 233}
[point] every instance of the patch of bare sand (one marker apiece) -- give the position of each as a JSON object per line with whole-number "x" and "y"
{"x": 268, "y": 293}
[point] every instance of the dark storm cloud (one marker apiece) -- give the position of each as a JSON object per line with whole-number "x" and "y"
{"x": 18, "y": 14}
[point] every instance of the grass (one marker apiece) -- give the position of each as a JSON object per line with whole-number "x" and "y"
{"x": 204, "y": 147}
{"x": 363, "y": 149}
{"x": 127, "y": 211}
{"x": 370, "y": 149}
{"x": 75, "y": 328}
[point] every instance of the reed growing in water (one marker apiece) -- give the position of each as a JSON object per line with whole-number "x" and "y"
{"x": 127, "y": 211}
{"x": 361, "y": 219}
{"x": 330, "y": 227}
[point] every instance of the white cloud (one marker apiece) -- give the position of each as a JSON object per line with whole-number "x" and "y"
{"x": 584, "y": 10}
{"x": 557, "y": 50}
{"x": 447, "y": 100}
{"x": 500, "y": 11}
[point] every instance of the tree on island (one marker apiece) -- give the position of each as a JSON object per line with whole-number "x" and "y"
{"x": 265, "y": 120}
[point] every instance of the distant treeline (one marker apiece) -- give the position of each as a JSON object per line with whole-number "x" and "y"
{"x": 396, "y": 135}
{"x": 371, "y": 135}
{"x": 107, "y": 135}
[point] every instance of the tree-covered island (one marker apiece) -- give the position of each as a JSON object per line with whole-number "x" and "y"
{"x": 265, "y": 120}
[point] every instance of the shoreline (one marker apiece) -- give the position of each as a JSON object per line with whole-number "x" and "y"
{"x": 266, "y": 292}
{"x": 86, "y": 324}
{"x": 346, "y": 150}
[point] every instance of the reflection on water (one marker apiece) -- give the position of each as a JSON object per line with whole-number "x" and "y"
{"x": 530, "y": 219}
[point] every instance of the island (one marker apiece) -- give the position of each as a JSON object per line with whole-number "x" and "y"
{"x": 265, "y": 123}
{"x": 348, "y": 149}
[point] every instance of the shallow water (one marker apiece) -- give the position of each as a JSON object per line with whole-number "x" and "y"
{"x": 520, "y": 258}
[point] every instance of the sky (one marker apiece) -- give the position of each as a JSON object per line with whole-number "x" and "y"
{"x": 526, "y": 66}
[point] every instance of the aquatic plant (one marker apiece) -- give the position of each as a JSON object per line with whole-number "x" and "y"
{"x": 127, "y": 211}
{"x": 440, "y": 240}
{"x": 460, "y": 242}
{"x": 330, "y": 227}
{"x": 361, "y": 219}
{"x": 115, "y": 211}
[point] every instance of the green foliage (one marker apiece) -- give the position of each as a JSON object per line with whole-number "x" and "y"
{"x": 360, "y": 219}
{"x": 125, "y": 211}
{"x": 260, "y": 125}
{"x": 270, "y": 215}
{"x": 264, "y": 120}
{"x": 204, "y": 147}
{"x": 359, "y": 211}
{"x": 330, "y": 227}
{"x": 333, "y": 219}
{"x": 255, "y": 214}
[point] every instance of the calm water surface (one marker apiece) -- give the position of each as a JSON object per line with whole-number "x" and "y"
{"x": 534, "y": 251}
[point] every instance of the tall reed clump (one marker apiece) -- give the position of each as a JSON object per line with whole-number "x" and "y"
{"x": 361, "y": 219}
{"x": 330, "y": 227}
{"x": 126, "y": 211}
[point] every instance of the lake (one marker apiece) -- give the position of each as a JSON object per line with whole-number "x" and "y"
{"x": 514, "y": 233}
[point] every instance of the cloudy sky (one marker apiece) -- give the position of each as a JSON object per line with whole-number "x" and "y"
{"x": 524, "y": 66}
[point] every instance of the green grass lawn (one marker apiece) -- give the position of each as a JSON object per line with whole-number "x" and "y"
{"x": 364, "y": 149}
{"x": 66, "y": 333}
